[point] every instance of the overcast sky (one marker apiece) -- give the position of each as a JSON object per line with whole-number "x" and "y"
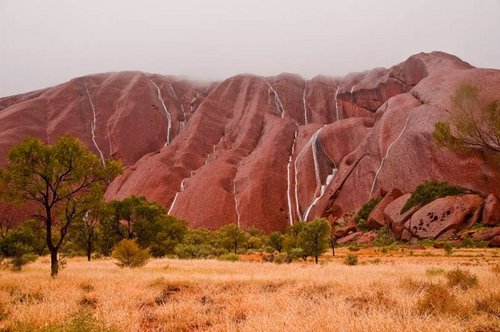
{"x": 47, "y": 42}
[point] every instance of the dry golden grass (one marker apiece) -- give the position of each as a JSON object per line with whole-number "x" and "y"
{"x": 396, "y": 291}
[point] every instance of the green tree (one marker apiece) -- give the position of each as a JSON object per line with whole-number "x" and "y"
{"x": 232, "y": 237}
{"x": 86, "y": 231}
{"x": 314, "y": 238}
{"x": 291, "y": 242}
{"x": 276, "y": 241}
{"x": 471, "y": 125}
{"x": 147, "y": 222}
{"x": 61, "y": 179}
{"x": 161, "y": 234}
{"x": 128, "y": 213}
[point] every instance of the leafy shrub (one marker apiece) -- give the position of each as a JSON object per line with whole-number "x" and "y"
{"x": 365, "y": 211}
{"x": 461, "y": 278}
{"x": 351, "y": 260}
{"x": 129, "y": 254}
{"x": 231, "y": 257}
{"x": 293, "y": 254}
{"x": 190, "y": 251}
{"x": 429, "y": 191}
{"x": 471, "y": 243}
{"x": 383, "y": 238}
{"x": 276, "y": 241}
{"x": 427, "y": 242}
{"x": 438, "y": 300}
{"x": 19, "y": 261}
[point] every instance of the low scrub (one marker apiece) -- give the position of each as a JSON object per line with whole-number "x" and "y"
{"x": 438, "y": 300}
{"x": 351, "y": 260}
{"x": 462, "y": 279}
{"x": 232, "y": 257}
{"x": 429, "y": 191}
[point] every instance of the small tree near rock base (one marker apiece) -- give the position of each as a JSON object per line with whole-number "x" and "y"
{"x": 61, "y": 179}
{"x": 314, "y": 238}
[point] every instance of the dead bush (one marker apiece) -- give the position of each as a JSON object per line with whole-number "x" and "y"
{"x": 438, "y": 300}
{"x": 462, "y": 279}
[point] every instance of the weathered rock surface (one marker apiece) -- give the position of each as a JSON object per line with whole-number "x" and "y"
{"x": 487, "y": 234}
{"x": 393, "y": 216}
{"x": 264, "y": 152}
{"x": 445, "y": 214}
{"x": 376, "y": 219}
{"x": 346, "y": 230}
{"x": 349, "y": 238}
{"x": 491, "y": 211}
{"x": 495, "y": 242}
{"x": 366, "y": 238}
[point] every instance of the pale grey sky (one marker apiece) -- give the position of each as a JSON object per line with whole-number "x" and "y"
{"x": 47, "y": 42}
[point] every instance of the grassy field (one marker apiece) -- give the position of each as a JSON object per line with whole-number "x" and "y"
{"x": 391, "y": 291}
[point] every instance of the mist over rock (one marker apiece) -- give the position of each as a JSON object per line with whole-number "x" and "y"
{"x": 263, "y": 151}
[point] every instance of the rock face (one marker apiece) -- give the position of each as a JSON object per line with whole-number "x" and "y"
{"x": 264, "y": 152}
{"x": 445, "y": 214}
{"x": 393, "y": 216}
{"x": 376, "y": 219}
{"x": 491, "y": 211}
{"x": 117, "y": 115}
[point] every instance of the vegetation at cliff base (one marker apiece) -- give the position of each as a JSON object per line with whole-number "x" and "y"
{"x": 364, "y": 212}
{"x": 429, "y": 191}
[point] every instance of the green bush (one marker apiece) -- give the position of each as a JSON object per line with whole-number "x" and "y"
{"x": 190, "y": 251}
{"x": 429, "y": 191}
{"x": 293, "y": 254}
{"x": 351, "y": 260}
{"x": 427, "y": 242}
{"x": 384, "y": 238}
{"x": 19, "y": 261}
{"x": 232, "y": 257}
{"x": 462, "y": 279}
{"x": 276, "y": 241}
{"x": 365, "y": 211}
{"x": 471, "y": 243}
{"x": 129, "y": 254}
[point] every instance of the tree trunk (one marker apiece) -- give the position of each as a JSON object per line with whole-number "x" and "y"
{"x": 316, "y": 258}
{"x": 332, "y": 244}
{"x": 54, "y": 264}
{"x": 89, "y": 249}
